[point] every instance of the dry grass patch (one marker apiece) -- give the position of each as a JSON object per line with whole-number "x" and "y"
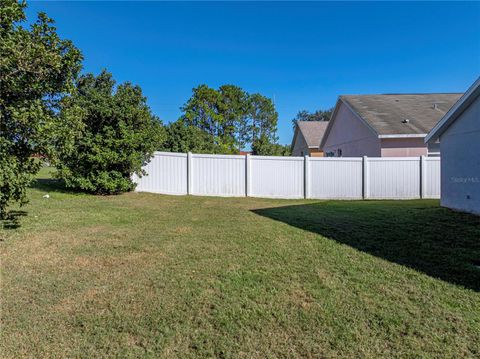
{"x": 148, "y": 276}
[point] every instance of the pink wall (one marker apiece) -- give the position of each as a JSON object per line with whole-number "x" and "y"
{"x": 352, "y": 136}
{"x": 403, "y": 147}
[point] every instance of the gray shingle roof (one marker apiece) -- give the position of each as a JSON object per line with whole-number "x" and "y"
{"x": 312, "y": 131}
{"x": 386, "y": 114}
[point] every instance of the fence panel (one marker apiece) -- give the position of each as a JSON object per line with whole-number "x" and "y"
{"x": 218, "y": 175}
{"x": 432, "y": 180}
{"x": 292, "y": 177}
{"x": 394, "y": 177}
{"x": 277, "y": 177}
{"x": 335, "y": 178}
{"x": 166, "y": 173}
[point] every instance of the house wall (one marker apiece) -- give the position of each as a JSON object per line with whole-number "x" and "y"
{"x": 351, "y": 136}
{"x": 403, "y": 147}
{"x": 315, "y": 152}
{"x": 300, "y": 147}
{"x": 460, "y": 167}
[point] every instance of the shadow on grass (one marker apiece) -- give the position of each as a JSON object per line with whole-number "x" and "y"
{"x": 418, "y": 234}
{"x": 12, "y": 220}
{"x": 51, "y": 185}
{"x": 47, "y": 185}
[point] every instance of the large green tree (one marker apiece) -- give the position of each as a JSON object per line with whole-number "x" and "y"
{"x": 264, "y": 147}
{"x": 117, "y": 136}
{"x": 233, "y": 108}
{"x": 37, "y": 70}
{"x": 262, "y": 125}
{"x": 230, "y": 119}
{"x": 181, "y": 137}
{"x": 215, "y": 112}
{"x": 318, "y": 115}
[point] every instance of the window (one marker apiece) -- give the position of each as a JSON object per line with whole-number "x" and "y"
{"x": 339, "y": 152}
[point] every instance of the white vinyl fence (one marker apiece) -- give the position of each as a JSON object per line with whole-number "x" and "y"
{"x": 292, "y": 177}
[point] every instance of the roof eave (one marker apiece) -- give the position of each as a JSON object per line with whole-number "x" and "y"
{"x": 406, "y": 135}
{"x": 295, "y": 134}
{"x": 334, "y": 115}
{"x": 327, "y": 130}
{"x": 463, "y": 102}
{"x": 363, "y": 120}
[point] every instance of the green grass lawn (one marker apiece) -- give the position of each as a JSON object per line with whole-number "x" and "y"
{"x": 145, "y": 275}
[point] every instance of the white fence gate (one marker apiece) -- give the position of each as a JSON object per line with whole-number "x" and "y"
{"x": 292, "y": 177}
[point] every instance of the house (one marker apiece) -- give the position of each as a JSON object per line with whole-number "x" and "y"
{"x": 459, "y": 135}
{"x": 307, "y": 138}
{"x": 392, "y": 125}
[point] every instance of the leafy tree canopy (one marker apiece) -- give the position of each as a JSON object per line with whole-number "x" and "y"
{"x": 228, "y": 119}
{"x": 181, "y": 137}
{"x": 116, "y": 137}
{"x": 264, "y": 147}
{"x": 319, "y": 115}
{"x": 37, "y": 70}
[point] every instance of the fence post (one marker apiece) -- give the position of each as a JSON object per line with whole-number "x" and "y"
{"x": 306, "y": 176}
{"x": 189, "y": 173}
{"x": 247, "y": 175}
{"x": 423, "y": 176}
{"x": 366, "y": 180}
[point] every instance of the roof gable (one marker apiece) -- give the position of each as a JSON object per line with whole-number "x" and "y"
{"x": 454, "y": 112}
{"x": 312, "y": 131}
{"x": 401, "y": 114}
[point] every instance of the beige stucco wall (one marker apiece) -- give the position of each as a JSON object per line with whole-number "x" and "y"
{"x": 403, "y": 147}
{"x": 300, "y": 147}
{"x": 351, "y": 135}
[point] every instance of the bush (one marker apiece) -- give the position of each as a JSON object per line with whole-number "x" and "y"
{"x": 116, "y": 137}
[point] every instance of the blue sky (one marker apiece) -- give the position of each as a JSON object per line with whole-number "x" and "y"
{"x": 302, "y": 54}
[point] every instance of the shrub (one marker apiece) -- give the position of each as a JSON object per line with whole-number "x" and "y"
{"x": 116, "y": 137}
